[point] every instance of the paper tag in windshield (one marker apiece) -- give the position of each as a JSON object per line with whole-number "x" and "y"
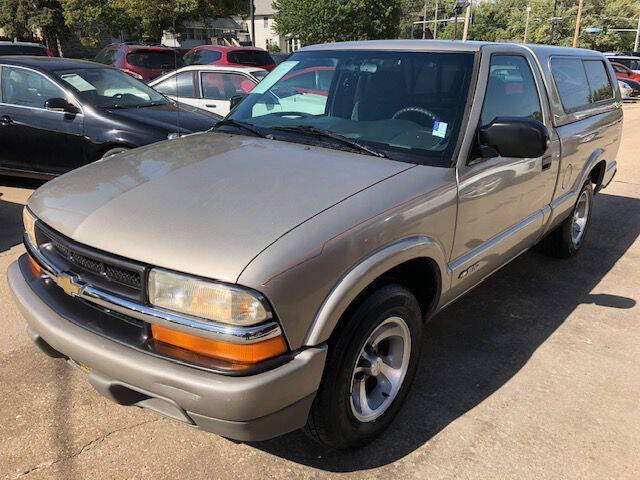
{"x": 439, "y": 129}
{"x": 77, "y": 82}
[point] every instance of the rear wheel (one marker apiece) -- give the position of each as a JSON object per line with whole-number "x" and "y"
{"x": 566, "y": 240}
{"x": 370, "y": 366}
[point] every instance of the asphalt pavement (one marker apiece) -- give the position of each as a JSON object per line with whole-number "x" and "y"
{"x": 533, "y": 375}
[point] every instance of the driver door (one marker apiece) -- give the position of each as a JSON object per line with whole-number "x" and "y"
{"x": 32, "y": 138}
{"x": 502, "y": 202}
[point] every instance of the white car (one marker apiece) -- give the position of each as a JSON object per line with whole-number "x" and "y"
{"x": 210, "y": 87}
{"x": 625, "y": 90}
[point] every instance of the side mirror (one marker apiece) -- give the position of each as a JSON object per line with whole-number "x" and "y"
{"x": 235, "y": 100}
{"x": 514, "y": 137}
{"x": 60, "y": 105}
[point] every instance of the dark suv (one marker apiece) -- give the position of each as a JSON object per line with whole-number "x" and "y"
{"x": 24, "y": 48}
{"x": 143, "y": 62}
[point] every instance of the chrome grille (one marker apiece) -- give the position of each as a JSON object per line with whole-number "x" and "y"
{"x": 113, "y": 274}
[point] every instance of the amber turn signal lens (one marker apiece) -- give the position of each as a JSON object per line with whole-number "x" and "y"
{"x": 230, "y": 352}
{"x": 33, "y": 266}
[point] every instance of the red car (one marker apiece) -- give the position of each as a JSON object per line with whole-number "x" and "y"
{"x": 231, "y": 56}
{"x": 142, "y": 62}
{"x": 625, "y": 72}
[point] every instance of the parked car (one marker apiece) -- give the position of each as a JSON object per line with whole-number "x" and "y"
{"x": 629, "y": 61}
{"x": 625, "y": 90}
{"x": 59, "y": 114}
{"x": 632, "y": 86}
{"x": 142, "y": 62}
{"x": 278, "y": 272}
{"x": 279, "y": 57}
{"x": 230, "y": 56}
{"x": 624, "y": 72}
{"x": 210, "y": 87}
{"x": 24, "y": 48}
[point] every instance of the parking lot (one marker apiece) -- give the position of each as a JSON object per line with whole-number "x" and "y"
{"x": 535, "y": 374}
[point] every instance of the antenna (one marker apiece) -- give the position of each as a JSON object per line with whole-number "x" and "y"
{"x": 175, "y": 66}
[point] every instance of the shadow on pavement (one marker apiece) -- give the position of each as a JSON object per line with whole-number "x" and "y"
{"x": 11, "y": 213}
{"x": 479, "y": 343}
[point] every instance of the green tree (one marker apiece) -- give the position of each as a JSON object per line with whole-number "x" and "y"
{"x": 141, "y": 19}
{"x": 21, "y": 19}
{"x": 504, "y": 20}
{"x": 314, "y": 21}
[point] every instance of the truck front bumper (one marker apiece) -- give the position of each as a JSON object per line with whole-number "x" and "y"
{"x": 250, "y": 408}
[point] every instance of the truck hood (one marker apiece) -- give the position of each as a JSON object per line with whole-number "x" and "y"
{"x": 206, "y": 204}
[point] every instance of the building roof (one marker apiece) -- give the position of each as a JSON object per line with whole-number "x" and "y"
{"x": 220, "y": 23}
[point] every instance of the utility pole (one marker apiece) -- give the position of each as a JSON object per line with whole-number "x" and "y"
{"x": 455, "y": 27}
{"x": 526, "y": 25}
{"x": 252, "y": 9}
{"x": 424, "y": 18}
{"x": 467, "y": 19}
{"x": 554, "y": 20}
{"x": 576, "y": 34}
{"x": 435, "y": 23}
{"x": 635, "y": 45}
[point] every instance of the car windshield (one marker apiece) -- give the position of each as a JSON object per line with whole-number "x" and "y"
{"x": 23, "y": 50}
{"x": 250, "y": 57}
{"x": 155, "y": 59}
{"x": 259, "y": 74}
{"x": 407, "y": 106}
{"x": 110, "y": 88}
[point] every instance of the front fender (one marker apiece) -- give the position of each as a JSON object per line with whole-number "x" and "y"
{"x": 363, "y": 274}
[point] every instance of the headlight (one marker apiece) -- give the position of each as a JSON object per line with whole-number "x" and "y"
{"x": 29, "y": 222}
{"x": 173, "y": 136}
{"x": 209, "y": 300}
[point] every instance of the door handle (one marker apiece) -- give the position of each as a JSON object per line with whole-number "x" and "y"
{"x": 546, "y": 162}
{"x": 210, "y": 105}
{"x": 5, "y": 120}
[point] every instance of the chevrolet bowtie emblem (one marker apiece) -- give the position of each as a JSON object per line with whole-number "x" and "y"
{"x": 69, "y": 284}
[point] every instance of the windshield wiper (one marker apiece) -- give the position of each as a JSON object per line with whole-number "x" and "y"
{"x": 319, "y": 132}
{"x": 229, "y": 122}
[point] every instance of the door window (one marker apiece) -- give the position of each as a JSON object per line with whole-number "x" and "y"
{"x": 107, "y": 56}
{"x": 598, "y": 81}
{"x": 180, "y": 85}
{"x": 511, "y": 90}
{"x": 27, "y": 88}
{"x": 224, "y": 86}
{"x": 619, "y": 69}
{"x": 202, "y": 57}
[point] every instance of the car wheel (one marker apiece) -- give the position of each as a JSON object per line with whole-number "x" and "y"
{"x": 371, "y": 363}
{"x": 566, "y": 240}
{"x": 113, "y": 151}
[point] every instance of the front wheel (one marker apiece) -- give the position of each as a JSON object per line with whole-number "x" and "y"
{"x": 566, "y": 240}
{"x": 370, "y": 366}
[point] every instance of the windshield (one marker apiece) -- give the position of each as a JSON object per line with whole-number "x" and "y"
{"x": 406, "y": 105}
{"x": 23, "y": 50}
{"x": 110, "y": 88}
{"x": 259, "y": 74}
{"x": 250, "y": 57}
{"x": 155, "y": 59}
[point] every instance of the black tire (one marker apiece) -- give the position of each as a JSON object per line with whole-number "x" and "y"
{"x": 560, "y": 243}
{"x": 114, "y": 151}
{"x": 332, "y": 421}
